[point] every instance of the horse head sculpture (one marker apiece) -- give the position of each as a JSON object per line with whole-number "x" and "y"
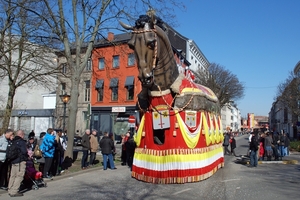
{"x": 156, "y": 63}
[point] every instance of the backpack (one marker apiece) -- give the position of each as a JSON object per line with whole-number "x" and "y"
{"x": 12, "y": 151}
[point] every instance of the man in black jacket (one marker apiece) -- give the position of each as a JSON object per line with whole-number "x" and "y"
{"x": 253, "y": 148}
{"x": 85, "y": 142}
{"x": 107, "y": 146}
{"x": 18, "y": 166}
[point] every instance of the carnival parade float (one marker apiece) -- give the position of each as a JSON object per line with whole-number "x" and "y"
{"x": 179, "y": 138}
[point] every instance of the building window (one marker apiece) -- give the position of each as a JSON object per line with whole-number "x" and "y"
{"x": 99, "y": 88}
{"x": 101, "y": 63}
{"x": 63, "y": 88}
{"x": 130, "y": 92}
{"x": 129, "y": 84}
{"x": 100, "y": 94}
{"x": 114, "y": 88}
{"x": 87, "y": 90}
{"x": 114, "y": 93}
{"x": 89, "y": 65}
{"x": 131, "y": 59}
{"x": 64, "y": 68}
{"x": 116, "y": 61}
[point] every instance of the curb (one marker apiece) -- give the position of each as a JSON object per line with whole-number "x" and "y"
{"x": 290, "y": 162}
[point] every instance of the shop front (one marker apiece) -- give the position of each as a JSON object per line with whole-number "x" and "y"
{"x": 116, "y": 120}
{"x": 38, "y": 120}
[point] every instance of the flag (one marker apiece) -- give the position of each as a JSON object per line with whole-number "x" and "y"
{"x": 161, "y": 119}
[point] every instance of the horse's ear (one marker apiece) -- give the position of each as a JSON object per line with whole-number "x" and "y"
{"x": 126, "y": 26}
{"x": 153, "y": 20}
{"x": 151, "y": 14}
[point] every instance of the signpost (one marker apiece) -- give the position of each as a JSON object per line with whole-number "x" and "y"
{"x": 131, "y": 123}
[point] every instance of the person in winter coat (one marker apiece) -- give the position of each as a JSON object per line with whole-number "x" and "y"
{"x": 253, "y": 150}
{"x": 130, "y": 148}
{"x": 226, "y": 144}
{"x": 285, "y": 143}
{"x": 30, "y": 144}
{"x": 94, "y": 146}
{"x": 232, "y": 145}
{"x": 85, "y": 143}
{"x": 4, "y": 139}
{"x": 275, "y": 138}
{"x": 18, "y": 166}
{"x": 48, "y": 148}
{"x": 111, "y": 136}
{"x": 41, "y": 160}
{"x": 268, "y": 146}
{"x": 261, "y": 152}
{"x": 107, "y": 146}
{"x": 56, "y": 162}
{"x": 124, "y": 137}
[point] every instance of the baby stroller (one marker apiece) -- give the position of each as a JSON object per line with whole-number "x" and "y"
{"x": 33, "y": 179}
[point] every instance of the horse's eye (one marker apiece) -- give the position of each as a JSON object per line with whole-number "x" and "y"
{"x": 151, "y": 45}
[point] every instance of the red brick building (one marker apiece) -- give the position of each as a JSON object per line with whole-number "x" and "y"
{"x": 114, "y": 84}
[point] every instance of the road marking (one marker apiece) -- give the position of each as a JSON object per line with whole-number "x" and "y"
{"x": 182, "y": 191}
{"x": 231, "y": 180}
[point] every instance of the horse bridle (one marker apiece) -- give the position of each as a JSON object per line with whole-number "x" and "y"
{"x": 155, "y": 46}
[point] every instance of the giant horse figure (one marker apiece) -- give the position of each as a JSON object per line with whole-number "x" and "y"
{"x": 180, "y": 136}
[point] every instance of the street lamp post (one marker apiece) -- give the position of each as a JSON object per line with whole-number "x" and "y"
{"x": 65, "y": 99}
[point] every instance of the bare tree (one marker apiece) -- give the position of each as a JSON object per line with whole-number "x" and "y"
{"x": 22, "y": 60}
{"x": 226, "y": 85}
{"x": 289, "y": 94}
{"x": 77, "y": 24}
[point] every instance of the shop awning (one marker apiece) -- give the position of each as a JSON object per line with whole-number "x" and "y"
{"x": 129, "y": 80}
{"x": 99, "y": 83}
{"x": 114, "y": 82}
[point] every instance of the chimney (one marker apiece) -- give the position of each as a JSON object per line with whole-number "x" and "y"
{"x": 110, "y": 36}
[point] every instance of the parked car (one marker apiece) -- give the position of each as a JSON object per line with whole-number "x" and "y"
{"x": 77, "y": 140}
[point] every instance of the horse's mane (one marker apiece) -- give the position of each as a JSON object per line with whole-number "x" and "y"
{"x": 143, "y": 19}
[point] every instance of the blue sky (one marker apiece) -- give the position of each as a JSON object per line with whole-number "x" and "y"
{"x": 257, "y": 40}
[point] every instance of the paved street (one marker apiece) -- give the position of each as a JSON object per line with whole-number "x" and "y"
{"x": 234, "y": 181}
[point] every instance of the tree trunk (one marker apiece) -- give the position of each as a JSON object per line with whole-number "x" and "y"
{"x": 9, "y": 107}
{"x": 72, "y": 107}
